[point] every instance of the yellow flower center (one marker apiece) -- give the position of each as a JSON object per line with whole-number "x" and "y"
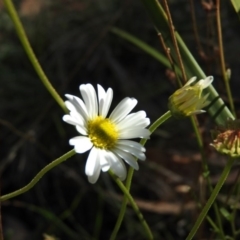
{"x": 102, "y": 133}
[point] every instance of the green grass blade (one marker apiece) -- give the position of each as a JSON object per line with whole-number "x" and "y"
{"x": 236, "y": 5}
{"x": 142, "y": 45}
{"x": 145, "y": 47}
{"x": 217, "y": 109}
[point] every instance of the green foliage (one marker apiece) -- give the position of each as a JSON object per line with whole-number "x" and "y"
{"x": 236, "y": 5}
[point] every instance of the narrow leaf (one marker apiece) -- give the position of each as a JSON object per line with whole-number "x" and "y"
{"x": 217, "y": 109}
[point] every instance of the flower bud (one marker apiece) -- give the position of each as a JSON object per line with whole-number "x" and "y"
{"x": 188, "y": 100}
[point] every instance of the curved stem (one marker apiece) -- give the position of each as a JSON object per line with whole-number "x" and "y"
{"x": 134, "y": 205}
{"x": 212, "y": 198}
{"x": 152, "y": 128}
{"x": 206, "y": 174}
{"x": 38, "y": 176}
{"x": 28, "y": 49}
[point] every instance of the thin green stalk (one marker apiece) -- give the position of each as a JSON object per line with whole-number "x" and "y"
{"x": 217, "y": 109}
{"x": 222, "y": 60}
{"x": 199, "y": 205}
{"x": 134, "y": 205}
{"x": 211, "y": 222}
{"x": 152, "y": 128}
{"x": 156, "y": 124}
{"x": 38, "y": 176}
{"x": 28, "y": 49}
{"x": 235, "y": 208}
{"x": 206, "y": 174}
{"x": 212, "y": 198}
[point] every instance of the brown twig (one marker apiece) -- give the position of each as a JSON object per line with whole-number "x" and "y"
{"x": 169, "y": 57}
{"x": 195, "y": 28}
{"x": 222, "y": 59}
{"x": 172, "y": 31}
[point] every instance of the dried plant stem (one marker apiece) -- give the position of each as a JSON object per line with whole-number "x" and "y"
{"x": 169, "y": 57}
{"x": 195, "y": 29}
{"x": 172, "y": 31}
{"x": 222, "y": 59}
{"x": 166, "y": 50}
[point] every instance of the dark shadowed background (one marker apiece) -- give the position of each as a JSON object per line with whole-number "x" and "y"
{"x": 74, "y": 44}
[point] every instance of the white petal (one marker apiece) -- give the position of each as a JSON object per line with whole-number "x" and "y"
{"x": 90, "y": 99}
{"x": 105, "y": 165}
{"x": 122, "y": 109}
{"x": 78, "y": 118}
{"x": 81, "y": 144}
{"x": 134, "y": 119}
{"x": 204, "y": 83}
{"x": 81, "y": 129}
{"x": 69, "y": 119}
{"x": 101, "y": 98}
{"x": 117, "y": 165}
{"x": 93, "y": 168}
{"x": 134, "y": 133}
{"x": 105, "y": 100}
{"x": 127, "y": 157}
{"x": 197, "y": 112}
{"x": 132, "y": 144}
{"x": 138, "y": 154}
{"x": 79, "y": 106}
{"x": 70, "y": 106}
{"x": 190, "y": 81}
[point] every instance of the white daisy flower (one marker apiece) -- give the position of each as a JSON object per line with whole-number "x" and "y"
{"x": 188, "y": 100}
{"x": 107, "y": 137}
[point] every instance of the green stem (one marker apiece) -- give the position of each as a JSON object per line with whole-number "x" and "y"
{"x": 212, "y": 198}
{"x": 156, "y": 124}
{"x": 38, "y": 176}
{"x": 218, "y": 109}
{"x": 211, "y": 222}
{"x": 134, "y": 205}
{"x": 206, "y": 174}
{"x": 28, "y": 49}
{"x": 152, "y": 128}
{"x": 235, "y": 208}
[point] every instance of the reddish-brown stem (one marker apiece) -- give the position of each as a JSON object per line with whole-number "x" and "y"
{"x": 172, "y": 31}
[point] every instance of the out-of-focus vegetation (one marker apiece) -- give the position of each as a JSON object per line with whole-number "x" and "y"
{"x": 74, "y": 44}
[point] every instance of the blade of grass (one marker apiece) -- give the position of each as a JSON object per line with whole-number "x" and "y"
{"x": 145, "y": 47}
{"x": 53, "y": 220}
{"x": 236, "y": 6}
{"x": 217, "y": 109}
